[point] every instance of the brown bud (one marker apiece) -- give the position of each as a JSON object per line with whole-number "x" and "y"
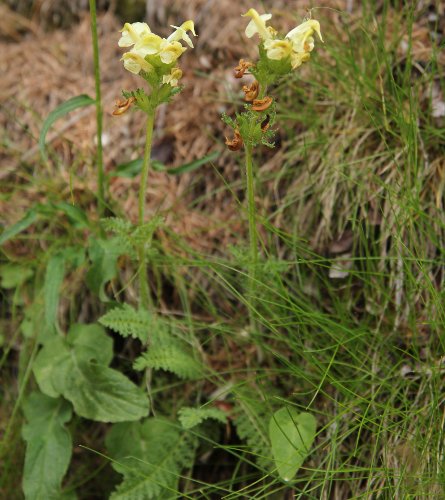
{"x": 242, "y": 68}
{"x": 265, "y": 124}
{"x": 262, "y": 104}
{"x": 236, "y": 143}
{"x": 251, "y": 91}
{"x": 122, "y": 105}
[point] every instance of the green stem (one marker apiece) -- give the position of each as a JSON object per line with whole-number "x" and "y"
{"x": 145, "y": 299}
{"x": 253, "y": 237}
{"x": 99, "y": 113}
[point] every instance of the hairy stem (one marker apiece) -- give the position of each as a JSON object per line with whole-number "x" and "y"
{"x": 99, "y": 153}
{"x": 145, "y": 299}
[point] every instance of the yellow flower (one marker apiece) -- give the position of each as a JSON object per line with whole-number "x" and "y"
{"x": 258, "y": 25}
{"x": 181, "y": 33}
{"x": 173, "y": 78}
{"x": 301, "y": 36}
{"x": 134, "y": 63}
{"x": 297, "y": 44}
{"x": 132, "y": 33}
{"x": 147, "y": 44}
{"x": 278, "y": 49}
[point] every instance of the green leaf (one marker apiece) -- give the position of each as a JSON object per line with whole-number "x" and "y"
{"x": 291, "y": 434}
{"x": 63, "y": 109}
{"x": 191, "y": 417}
{"x": 76, "y": 368}
{"x": 49, "y": 446}
{"x": 91, "y": 343}
{"x": 103, "y": 394}
{"x": 14, "y": 275}
{"x": 18, "y": 227}
{"x": 128, "y": 322}
{"x": 151, "y": 456}
{"x": 104, "y": 254}
{"x": 55, "y": 272}
{"x": 76, "y": 215}
{"x": 133, "y": 168}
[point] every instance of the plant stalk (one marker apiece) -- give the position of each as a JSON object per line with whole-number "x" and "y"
{"x": 99, "y": 112}
{"x": 145, "y": 299}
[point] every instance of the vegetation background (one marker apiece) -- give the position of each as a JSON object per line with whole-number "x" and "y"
{"x": 350, "y": 296}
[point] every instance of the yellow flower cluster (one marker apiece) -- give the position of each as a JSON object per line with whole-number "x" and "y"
{"x": 150, "y": 49}
{"x": 297, "y": 44}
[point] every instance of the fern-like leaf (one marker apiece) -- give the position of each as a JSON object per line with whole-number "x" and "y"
{"x": 128, "y": 322}
{"x": 151, "y": 456}
{"x": 172, "y": 357}
{"x": 191, "y": 417}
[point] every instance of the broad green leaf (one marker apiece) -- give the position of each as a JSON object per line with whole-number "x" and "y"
{"x": 128, "y": 322}
{"x": 76, "y": 368}
{"x": 103, "y": 254}
{"x": 291, "y": 434}
{"x": 91, "y": 343}
{"x": 18, "y": 227}
{"x": 55, "y": 272}
{"x": 14, "y": 275}
{"x": 63, "y": 109}
{"x": 103, "y": 394}
{"x": 48, "y": 446}
{"x": 151, "y": 456}
{"x": 191, "y": 417}
{"x": 133, "y": 168}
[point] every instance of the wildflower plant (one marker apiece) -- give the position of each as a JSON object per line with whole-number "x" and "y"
{"x": 155, "y": 60}
{"x": 279, "y": 56}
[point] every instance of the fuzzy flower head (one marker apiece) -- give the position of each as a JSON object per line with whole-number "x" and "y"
{"x": 152, "y": 53}
{"x": 295, "y": 46}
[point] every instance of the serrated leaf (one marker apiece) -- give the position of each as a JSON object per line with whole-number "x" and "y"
{"x": 18, "y": 227}
{"x": 172, "y": 358}
{"x": 104, "y": 254}
{"x": 291, "y": 434}
{"x": 191, "y": 417}
{"x": 151, "y": 456}
{"x": 63, "y": 109}
{"x": 128, "y": 322}
{"x": 76, "y": 368}
{"x": 49, "y": 446}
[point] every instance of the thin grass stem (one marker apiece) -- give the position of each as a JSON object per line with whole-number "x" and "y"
{"x": 101, "y": 188}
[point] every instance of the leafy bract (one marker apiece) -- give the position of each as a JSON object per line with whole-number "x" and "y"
{"x": 291, "y": 434}
{"x": 76, "y": 367}
{"x": 191, "y": 417}
{"x": 128, "y": 322}
{"x": 48, "y": 448}
{"x": 151, "y": 456}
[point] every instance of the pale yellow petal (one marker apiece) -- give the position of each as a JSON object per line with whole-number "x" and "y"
{"x": 132, "y": 33}
{"x": 257, "y": 24}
